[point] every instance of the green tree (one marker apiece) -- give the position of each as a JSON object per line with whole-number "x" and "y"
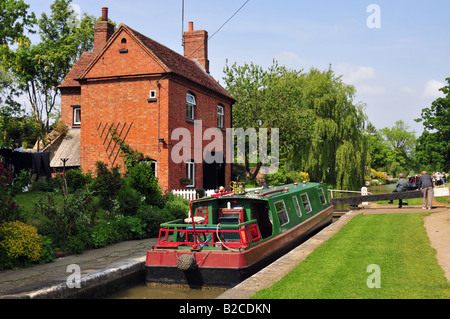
{"x": 401, "y": 141}
{"x": 15, "y": 20}
{"x": 336, "y": 151}
{"x": 433, "y": 146}
{"x": 265, "y": 99}
{"x": 321, "y": 129}
{"x": 40, "y": 68}
{"x": 377, "y": 148}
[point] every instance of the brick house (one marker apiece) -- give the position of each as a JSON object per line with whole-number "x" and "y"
{"x": 146, "y": 91}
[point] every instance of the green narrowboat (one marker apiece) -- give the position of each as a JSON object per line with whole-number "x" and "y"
{"x": 231, "y": 235}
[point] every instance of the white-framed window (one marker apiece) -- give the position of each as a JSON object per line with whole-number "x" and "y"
{"x": 322, "y": 197}
{"x": 220, "y": 115}
{"x": 190, "y": 172}
{"x": 306, "y": 203}
{"x": 190, "y": 106}
{"x": 297, "y": 206}
{"x": 283, "y": 217}
{"x": 76, "y": 115}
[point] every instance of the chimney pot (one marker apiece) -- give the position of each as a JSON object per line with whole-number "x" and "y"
{"x": 191, "y": 26}
{"x": 105, "y": 14}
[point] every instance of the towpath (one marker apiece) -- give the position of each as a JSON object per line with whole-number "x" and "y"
{"x": 437, "y": 225}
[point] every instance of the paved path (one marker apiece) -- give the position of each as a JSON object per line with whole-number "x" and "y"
{"x": 116, "y": 261}
{"x": 111, "y": 262}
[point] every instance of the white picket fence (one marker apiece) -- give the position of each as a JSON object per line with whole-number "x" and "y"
{"x": 191, "y": 194}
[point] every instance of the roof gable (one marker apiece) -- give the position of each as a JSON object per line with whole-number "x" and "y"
{"x": 123, "y": 55}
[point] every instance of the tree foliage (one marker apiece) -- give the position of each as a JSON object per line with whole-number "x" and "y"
{"x": 15, "y": 20}
{"x": 321, "y": 129}
{"x": 433, "y": 146}
{"x": 39, "y": 68}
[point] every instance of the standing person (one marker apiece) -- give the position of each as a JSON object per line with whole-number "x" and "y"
{"x": 443, "y": 178}
{"x": 426, "y": 186}
{"x": 400, "y": 186}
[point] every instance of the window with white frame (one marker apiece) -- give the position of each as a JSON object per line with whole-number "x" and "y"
{"x": 306, "y": 202}
{"x": 297, "y": 206}
{"x": 190, "y": 106}
{"x": 281, "y": 212}
{"x": 220, "y": 116}
{"x": 322, "y": 197}
{"x": 190, "y": 172}
{"x": 76, "y": 115}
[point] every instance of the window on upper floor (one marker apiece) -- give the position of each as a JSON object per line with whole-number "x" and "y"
{"x": 190, "y": 106}
{"x": 220, "y": 116}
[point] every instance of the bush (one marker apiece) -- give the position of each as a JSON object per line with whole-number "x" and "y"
{"x": 9, "y": 210}
{"x": 19, "y": 244}
{"x": 47, "y": 253}
{"x": 63, "y": 217}
{"x": 129, "y": 201}
{"x": 107, "y": 184}
{"x": 142, "y": 178}
{"x": 177, "y": 206}
{"x": 77, "y": 180}
{"x": 283, "y": 177}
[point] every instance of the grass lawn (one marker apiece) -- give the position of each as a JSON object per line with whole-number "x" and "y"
{"x": 27, "y": 201}
{"x": 397, "y": 243}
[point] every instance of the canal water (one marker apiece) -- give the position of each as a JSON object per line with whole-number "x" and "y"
{"x": 160, "y": 291}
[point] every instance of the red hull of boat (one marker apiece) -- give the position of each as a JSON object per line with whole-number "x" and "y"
{"x": 216, "y": 259}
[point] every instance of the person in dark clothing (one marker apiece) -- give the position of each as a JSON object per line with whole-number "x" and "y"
{"x": 426, "y": 186}
{"x": 400, "y": 186}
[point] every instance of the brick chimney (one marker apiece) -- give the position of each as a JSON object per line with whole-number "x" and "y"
{"x": 196, "y": 46}
{"x": 103, "y": 31}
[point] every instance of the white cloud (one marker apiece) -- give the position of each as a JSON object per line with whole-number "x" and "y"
{"x": 371, "y": 90}
{"x": 353, "y": 74}
{"x": 291, "y": 59}
{"x": 408, "y": 90}
{"x": 432, "y": 89}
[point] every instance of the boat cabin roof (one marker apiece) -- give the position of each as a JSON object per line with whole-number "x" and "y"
{"x": 275, "y": 192}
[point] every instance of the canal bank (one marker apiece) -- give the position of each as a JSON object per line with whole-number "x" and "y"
{"x": 113, "y": 267}
{"x": 101, "y": 271}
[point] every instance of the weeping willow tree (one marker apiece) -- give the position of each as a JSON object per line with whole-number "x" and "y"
{"x": 321, "y": 129}
{"x": 336, "y": 151}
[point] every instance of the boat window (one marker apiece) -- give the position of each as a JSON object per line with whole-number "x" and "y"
{"x": 306, "y": 203}
{"x": 281, "y": 212}
{"x": 322, "y": 197}
{"x": 297, "y": 206}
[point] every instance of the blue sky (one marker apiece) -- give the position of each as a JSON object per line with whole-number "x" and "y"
{"x": 397, "y": 68}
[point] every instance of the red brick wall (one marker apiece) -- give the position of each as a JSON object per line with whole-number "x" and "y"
{"x": 124, "y": 101}
{"x": 112, "y": 63}
{"x": 117, "y": 89}
{"x": 69, "y": 97}
{"x": 206, "y": 111}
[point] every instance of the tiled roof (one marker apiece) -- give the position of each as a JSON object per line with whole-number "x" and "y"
{"x": 179, "y": 64}
{"x": 82, "y": 63}
{"x": 174, "y": 62}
